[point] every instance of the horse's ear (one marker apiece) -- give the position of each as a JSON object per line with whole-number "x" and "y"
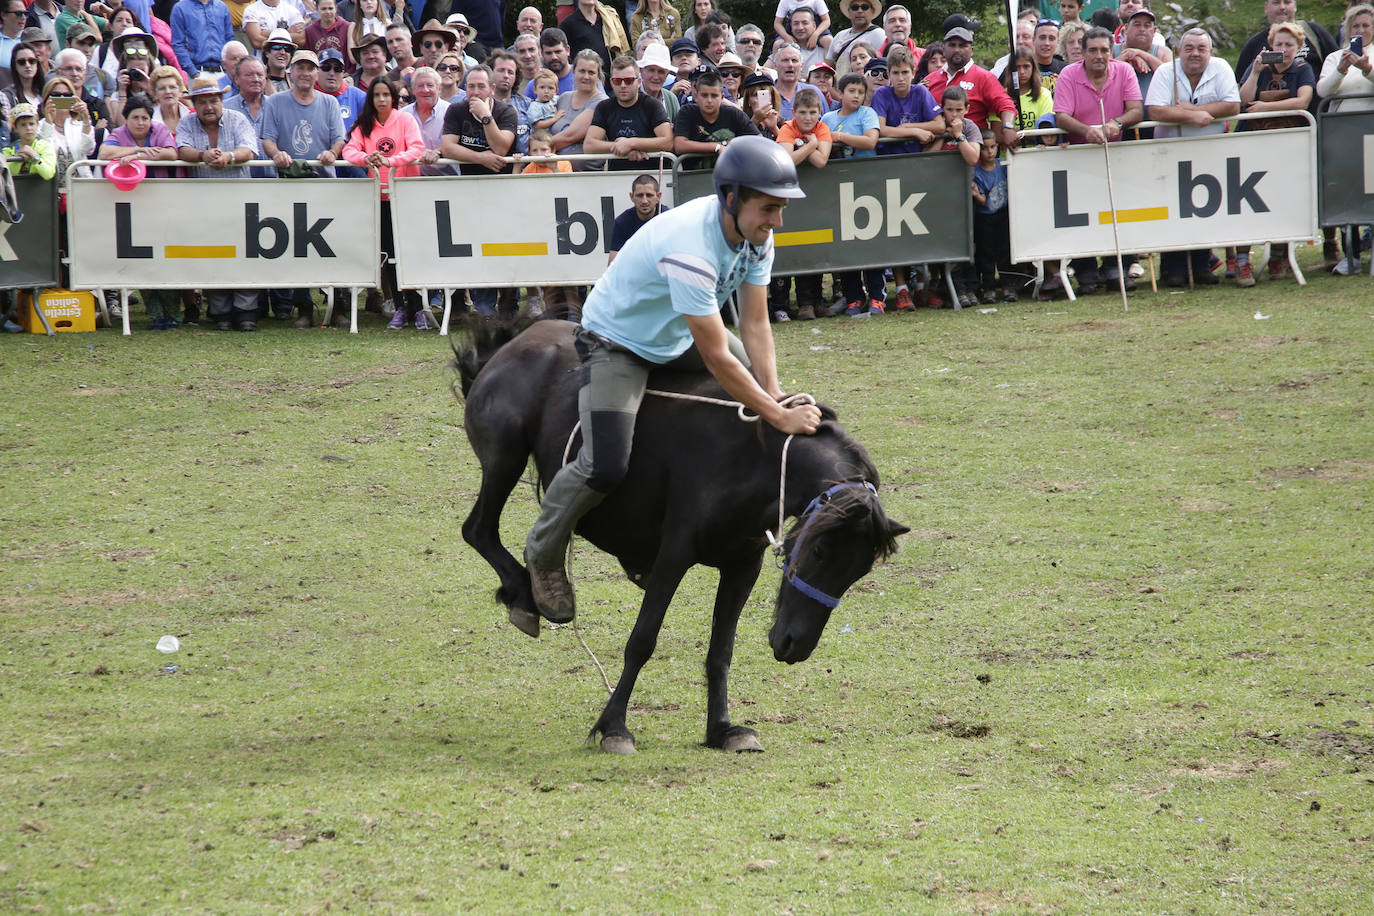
{"x": 896, "y": 529}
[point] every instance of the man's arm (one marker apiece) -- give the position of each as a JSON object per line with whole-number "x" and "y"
{"x": 709, "y": 335}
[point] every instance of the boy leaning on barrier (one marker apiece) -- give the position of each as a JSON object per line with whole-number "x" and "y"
{"x": 806, "y": 140}
{"x": 854, "y": 135}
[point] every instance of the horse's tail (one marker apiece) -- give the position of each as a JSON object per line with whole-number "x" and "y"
{"x": 476, "y": 339}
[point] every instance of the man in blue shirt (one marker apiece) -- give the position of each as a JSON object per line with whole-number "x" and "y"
{"x": 200, "y": 29}
{"x": 658, "y": 304}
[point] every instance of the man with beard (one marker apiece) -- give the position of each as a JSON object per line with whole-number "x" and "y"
{"x": 216, "y": 141}
{"x": 504, "y": 72}
{"x": 629, "y": 124}
{"x": 985, "y": 93}
{"x": 860, "y": 14}
{"x": 553, "y": 45}
{"x": 1095, "y": 101}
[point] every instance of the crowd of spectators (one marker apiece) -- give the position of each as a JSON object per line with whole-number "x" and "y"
{"x": 196, "y": 88}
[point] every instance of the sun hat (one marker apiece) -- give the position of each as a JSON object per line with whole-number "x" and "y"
{"x": 433, "y": 27}
{"x": 205, "y": 84}
{"x": 458, "y": 20}
{"x": 655, "y": 55}
{"x": 118, "y": 42}
{"x": 847, "y": 4}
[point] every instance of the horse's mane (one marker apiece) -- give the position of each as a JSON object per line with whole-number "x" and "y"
{"x": 853, "y": 504}
{"x": 475, "y": 340}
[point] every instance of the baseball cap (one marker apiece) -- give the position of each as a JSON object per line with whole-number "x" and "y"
{"x": 1141, "y": 12}
{"x": 959, "y": 32}
{"x": 683, "y": 44}
{"x": 22, "y": 110}
{"x": 331, "y": 54}
{"x": 875, "y": 63}
{"x": 32, "y": 34}
{"x": 305, "y": 55}
{"x": 79, "y": 30}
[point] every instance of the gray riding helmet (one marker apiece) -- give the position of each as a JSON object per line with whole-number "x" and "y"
{"x": 759, "y": 164}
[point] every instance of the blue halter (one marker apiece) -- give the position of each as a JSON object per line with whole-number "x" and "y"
{"x": 807, "y": 517}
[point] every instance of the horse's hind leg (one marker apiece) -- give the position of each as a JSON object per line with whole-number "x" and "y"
{"x": 736, "y": 583}
{"x": 501, "y": 471}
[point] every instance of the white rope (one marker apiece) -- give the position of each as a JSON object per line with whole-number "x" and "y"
{"x": 745, "y": 416}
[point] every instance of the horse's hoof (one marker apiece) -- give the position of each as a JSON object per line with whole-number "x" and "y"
{"x": 740, "y": 743}
{"x": 525, "y": 621}
{"x": 617, "y": 744}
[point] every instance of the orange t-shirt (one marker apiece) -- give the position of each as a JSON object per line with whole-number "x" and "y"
{"x": 789, "y": 133}
{"x": 542, "y": 168}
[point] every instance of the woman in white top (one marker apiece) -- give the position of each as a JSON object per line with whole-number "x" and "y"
{"x": 1345, "y": 73}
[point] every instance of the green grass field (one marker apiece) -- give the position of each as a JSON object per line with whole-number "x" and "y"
{"x": 1122, "y": 663}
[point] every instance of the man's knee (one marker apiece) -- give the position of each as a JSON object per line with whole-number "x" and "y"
{"x": 612, "y": 437}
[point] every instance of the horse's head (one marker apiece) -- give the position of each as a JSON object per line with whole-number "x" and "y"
{"x": 833, "y": 544}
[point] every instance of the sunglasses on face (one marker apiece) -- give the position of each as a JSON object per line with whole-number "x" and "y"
{"x": 281, "y": 47}
{"x": 332, "y": 66}
{"x": 1054, "y": 22}
{"x": 61, "y": 95}
{"x": 434, "y": 44}
{"x": 623, "y": 80}
{"x": 749, "y": 41}
{"x": 27, "y": 62}
{"x": 860, "y": 6}
{"x": 135, "y": 52}
{"x": 448, "y": 68}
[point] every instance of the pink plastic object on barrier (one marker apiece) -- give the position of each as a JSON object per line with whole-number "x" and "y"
{"x": 126, "y": 177}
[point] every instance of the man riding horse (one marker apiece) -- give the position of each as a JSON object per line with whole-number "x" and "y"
{"x": 658, "y": 304}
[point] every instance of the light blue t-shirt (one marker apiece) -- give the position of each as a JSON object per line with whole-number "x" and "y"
{"x": 678, "y": 264}
{"x": 861, "y": 119}
{"x": 302, "y": 131}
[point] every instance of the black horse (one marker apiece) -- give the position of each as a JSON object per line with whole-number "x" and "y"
{"x": 702, "y": 487}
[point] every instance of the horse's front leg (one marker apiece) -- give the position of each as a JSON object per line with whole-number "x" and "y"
{"x": 658, "y": 594}
{"x": 736, "y": 583}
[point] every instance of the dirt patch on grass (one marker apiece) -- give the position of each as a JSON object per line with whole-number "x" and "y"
{"x": 1203, "y": 505}
{"x": 1322, "y": 742}
{"x": 131, "y": 553}
{"x": 106, "y": 599}
{"x": 1299, "y": 384}
{"x": 377, "y": 372}
{"x": 957, "y": 728}
{"x": 1231, "y": 769}
{"x": 1093, "y": 326}
{"x": 1341, "y": 471}
{"x": 1061, "y": 486}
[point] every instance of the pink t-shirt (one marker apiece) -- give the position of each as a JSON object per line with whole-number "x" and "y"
{"x": 1075, "y": 96}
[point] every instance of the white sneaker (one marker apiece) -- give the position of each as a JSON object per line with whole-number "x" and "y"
{"x": 1348, "y": 267}
{"x": 780, "y": 316}
{"x": 1137, "y": 271}
{"x": 388, "y": 307}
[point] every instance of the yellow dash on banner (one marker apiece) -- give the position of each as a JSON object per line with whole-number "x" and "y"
{"x": 809, "y": 237}
{"x": 200, "y": 252}
{"x": 513, "y": 249}
{"x": 1140, "y": 215}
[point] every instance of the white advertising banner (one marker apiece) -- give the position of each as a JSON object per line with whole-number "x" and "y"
{"x": 1170, "y": 195}
{"x": 507, "y": 230}
{"x": 225, "y": 234}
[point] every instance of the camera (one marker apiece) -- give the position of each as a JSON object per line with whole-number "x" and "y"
{"x": 1269, "y": 58}
{"x": 1357, "y": 46}
{"x": 136, "y": 75}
